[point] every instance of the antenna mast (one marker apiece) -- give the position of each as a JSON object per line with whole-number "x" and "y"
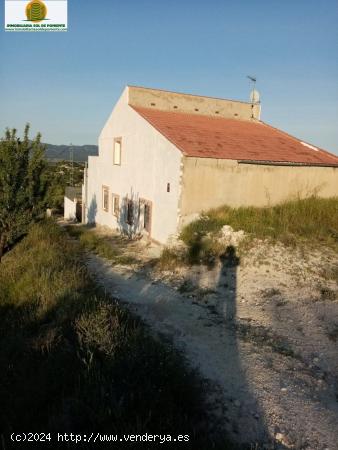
{"x": 71, "y": 154}
{"x": 253, "y": 93}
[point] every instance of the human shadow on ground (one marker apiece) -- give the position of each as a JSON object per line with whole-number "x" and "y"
{"x": 248, "y": 416}
{"x": 211, "y": 341}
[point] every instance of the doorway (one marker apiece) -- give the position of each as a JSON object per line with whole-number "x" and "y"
{"x": 145, "y": 215}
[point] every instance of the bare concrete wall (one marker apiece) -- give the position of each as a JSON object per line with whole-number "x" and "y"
{"x": 193, "y": 104}
{"x": 209, "y": 183}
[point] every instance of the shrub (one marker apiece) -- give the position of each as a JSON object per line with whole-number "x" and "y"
{"x": 22, "y": 185}
{"x": 171, "y": 258}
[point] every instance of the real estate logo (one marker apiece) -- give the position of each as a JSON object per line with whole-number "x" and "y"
{"x": 36, "y": 11}
{"x": 36, "y": 15}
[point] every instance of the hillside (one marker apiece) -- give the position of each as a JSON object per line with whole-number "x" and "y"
{"x": 61, "y": 152}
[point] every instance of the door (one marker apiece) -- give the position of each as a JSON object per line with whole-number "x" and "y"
{"x": 145, "y": 216}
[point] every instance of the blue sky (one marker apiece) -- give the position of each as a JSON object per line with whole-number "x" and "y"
{"x": 66, "y": 84}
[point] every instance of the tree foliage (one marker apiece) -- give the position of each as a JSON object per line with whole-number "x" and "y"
{"x": 22, "y": 184}
{"x": 59, "y": 177}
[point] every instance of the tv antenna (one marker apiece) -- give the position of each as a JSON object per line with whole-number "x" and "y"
{"x": 254, "y": 95}
{"x": 252, "y": 79}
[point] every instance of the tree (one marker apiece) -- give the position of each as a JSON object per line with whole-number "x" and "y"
{"x": 58, "y": 175}
{"x": 22, "y": 184}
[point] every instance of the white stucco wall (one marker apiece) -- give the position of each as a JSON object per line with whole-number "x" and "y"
{"x": 148, "y": 163}
{"x": 69, "y": 209}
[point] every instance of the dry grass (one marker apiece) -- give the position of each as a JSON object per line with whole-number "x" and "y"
{"x": 71, "y": 359}
{"x": 101, "y": 245}
{"x": 309, "y": 222}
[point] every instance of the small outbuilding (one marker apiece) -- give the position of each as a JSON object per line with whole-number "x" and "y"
{"x": 73, "y": 203}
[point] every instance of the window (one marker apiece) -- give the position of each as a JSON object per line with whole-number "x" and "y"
{"x": 117, "y": 152}
{"x": 130, "y": 212}
{"x": 115, "y": 204}
{"x": 105, "y": 198}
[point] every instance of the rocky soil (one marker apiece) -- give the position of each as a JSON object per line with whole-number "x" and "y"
{"x": 262, "y": 329}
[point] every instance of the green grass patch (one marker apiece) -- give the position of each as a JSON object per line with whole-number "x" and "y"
{"x": 311, "y": 221}
{"x": 308, "y": 222}
{"x": 72, "y": 360}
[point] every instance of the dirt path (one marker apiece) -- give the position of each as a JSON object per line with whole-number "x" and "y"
{"x": 265, "y": 338}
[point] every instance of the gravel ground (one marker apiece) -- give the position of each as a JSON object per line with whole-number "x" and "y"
{"x": 263, "y": 332}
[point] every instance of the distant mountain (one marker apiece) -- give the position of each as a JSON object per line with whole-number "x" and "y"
{"x": 61, "y": 152}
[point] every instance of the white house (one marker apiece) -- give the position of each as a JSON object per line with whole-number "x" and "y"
{"x": 164, "y": 157}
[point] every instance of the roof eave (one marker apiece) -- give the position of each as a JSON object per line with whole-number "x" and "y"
{"x": 285, "y": 163}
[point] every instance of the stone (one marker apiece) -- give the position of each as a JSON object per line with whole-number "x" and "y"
{"x": 230, "y": 236}
{"x": 279, "y": 437}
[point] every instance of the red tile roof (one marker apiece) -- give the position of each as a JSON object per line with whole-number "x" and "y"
{"x": 221, "y": 138}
